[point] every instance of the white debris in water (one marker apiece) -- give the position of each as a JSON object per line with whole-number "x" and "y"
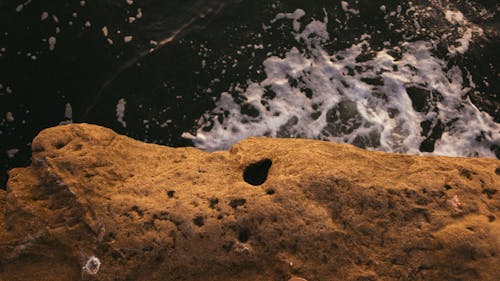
{"x": 82, "y": 3}
{"x": 11, "y": 153}
{"x": 130, "y": 2}
{"x": 87, "y": 24}
{"x": 9, "y": 117}
{"x": 139, "y": 13}
{"x": 345, "y": 7}
{"x": 8, "y": 90}
{"x": 382, "y": 8}
{"x": 344, "y": 106}
{"x": 45, "y": 15}
{"x": 131, "y": 19}
{"x": 464, "y": 43}
{"x": 128, "y": 38}
{"x": 68, "y": 111}
{"x": 120, "y": 112}
{"x": 104, "y": 30}
{"x": 110, "y": 42}
{"x": 295, "y": 16}
{"x": 52, "y": 43}
{"x": 455, "y": 17}
{"x": 19, "y": 8}
{"x": 465, "y": 28}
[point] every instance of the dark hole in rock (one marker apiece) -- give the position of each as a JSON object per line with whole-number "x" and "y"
{"x": 244, "y": 235}
{"x": 136, "y": 209}
{"x": 447, "y": 187}
{"x": 116, "y": 255}
{"x": 59, "y": 145}
{"x": 227, "y": 247}
{"x": 497, "y": 171}
{"x": 213, "y": 202}
{"x": 465, "y": 173}
{"x": 270, "y": 191}
{"x": 237, "y": 202}
{"x": 170, "y": 193}
{"x": 489, "y": 192}
{"x": 491, "y": 218}
{"x": 199, "y": 221}
{"x": 256, "y": 173}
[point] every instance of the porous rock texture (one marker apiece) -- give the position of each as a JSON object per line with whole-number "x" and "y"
{"x": 317, "y": 210}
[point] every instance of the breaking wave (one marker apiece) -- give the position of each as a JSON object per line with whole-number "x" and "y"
{"x": 401, "y": 98}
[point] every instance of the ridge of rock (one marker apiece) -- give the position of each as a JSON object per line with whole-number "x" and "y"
{"x": 95, "y": 205}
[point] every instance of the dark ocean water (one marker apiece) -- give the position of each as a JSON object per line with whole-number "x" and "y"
{"x": 410, "y": 77}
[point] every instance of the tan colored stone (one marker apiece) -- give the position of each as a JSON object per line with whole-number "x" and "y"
{"x": 297, "y": 279}
{"x": 325, "y": 212}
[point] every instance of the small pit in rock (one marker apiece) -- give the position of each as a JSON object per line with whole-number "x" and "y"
{"x": 59, "y": 145}
{"x": 244, "y": 235}
{"x": 213, "y": 202}
{"x": 235, "y": 203}
{"x": 199, "y": 221}
{"x": 256, "y": 173}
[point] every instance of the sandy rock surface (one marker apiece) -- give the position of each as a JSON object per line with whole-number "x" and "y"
{"x": 95, "y": 205}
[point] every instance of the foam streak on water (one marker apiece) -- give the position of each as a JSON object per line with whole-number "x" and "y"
{"x": 383, "y": 103}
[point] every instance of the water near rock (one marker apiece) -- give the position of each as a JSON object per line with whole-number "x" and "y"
{"x": 402, "y": 98}
{"x": 95, "y": 205}
{"x": 405, "y": 76}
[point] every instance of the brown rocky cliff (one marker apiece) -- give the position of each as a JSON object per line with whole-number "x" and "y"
{"x": 95, "y": 205}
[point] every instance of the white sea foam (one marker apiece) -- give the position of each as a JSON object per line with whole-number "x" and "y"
{"x": 465, "y": 28}
{"x": 314, "y": 94}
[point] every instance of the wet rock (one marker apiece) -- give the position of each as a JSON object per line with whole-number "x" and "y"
{"x": 95, "y": 205}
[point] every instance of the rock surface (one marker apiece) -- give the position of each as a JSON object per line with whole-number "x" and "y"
{"x": 268, "y": 209}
